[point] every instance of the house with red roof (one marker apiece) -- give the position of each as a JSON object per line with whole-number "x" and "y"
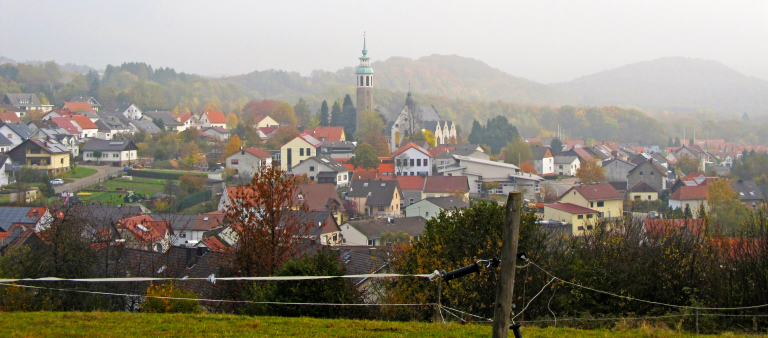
{"x": 66, "y": 124}
{"x": 578, "y": 219}
{"x": 603, "y": 198}
{"x": 213, "y": 118}
{"x": 188, "y": 120}
{"x": 87, "y": 128}
{"x": 322, "y": 197}
{"x": 298, "y": 149}
{"x": 79, "y": 107}
{"x": 412, "y": 159}
{"x": 412, "y": 188}
{"x": 9, "y": 117}
{"x": 692, "y": 196}
{"x": 144, "y": 233}
{"x": 248, "y": 160}
{"x": 444, "y": 186}
{"x": 218, "y": 133}
{"x": 330, "y": 134}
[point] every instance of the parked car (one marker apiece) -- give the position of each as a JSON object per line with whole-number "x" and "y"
{"x": 57, "y": 181}
{"x": 127, "y": 168}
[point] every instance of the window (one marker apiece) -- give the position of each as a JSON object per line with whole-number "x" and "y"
{"x": 652, "y": 173}
{"x": 418, "y": 162}
{"x": 311, "y": 168}
{"x": 301, "y": 151}
{"x": 637, "y": 197}
{"x": 381, "y": 208}
{"x": 412, "y": 162}
{"x": 413, "y": 173}
{"x": 426, "y": 214}
{"x": 397, "y": 161}
{"x": 62, "y": 161}
{"x": 183, "y": 235}
{"x": 581, "y": 228}
{"x": 649, "y": 197}
{"x": 235, "y": 162}
{"x": 115, "y": 155}
{"x": 309, "y": 152}
{"x": 410, "y": 200}
{"x": 589, "y": 227}
{"x": 580, "y": 217}
{"x": 641, "y": 173}
{"x": 590, "y": 215}
{"x": 371, "y": 242}
{"x": 600, "y": 204}
{"x": 591, "y": 204}
{"x": 345, "y": 177}
{"x": 104, "y": 155}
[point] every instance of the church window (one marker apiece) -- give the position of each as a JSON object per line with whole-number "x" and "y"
{"x": 367, "y": 80}
{"x": 361, "y": 81}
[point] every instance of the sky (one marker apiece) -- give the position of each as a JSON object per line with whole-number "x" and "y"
{"x": 544, "y": 41}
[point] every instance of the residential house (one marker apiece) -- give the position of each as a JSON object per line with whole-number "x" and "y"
{"x": 219, "y": 133}
{"x": 7, "y": 171}
{"x": 543, "y": 160}
{"x": 144, "y": 233}
{"x": 749, "y": 194}
{"x": 694, "y": 151}
{"x": 95, "y": 105}
{"x": 331, "y": 134}
{"x": 265, "y": 122}
{"x": 297, "y": 150}
{"x": 247, "y": 161}
{"x": 369, "y": 232}
{"x": 146, "y": 126}
{"x": 128, "y": 110}
{"x": 581, "y": 153}
{"x": 15, "y": 132}
{"x": 322, "y": 197}
{"x": 51, "y": 156}
{"x": 430, "y": 207}
{"x": 691, "y": 196}
{"x": 642, "y": 191}
{"x": 66, "y": 125}
{"x": 9, "y": 117}
{"x": 203, "y": 223}
{"x": 651, "y": 172}
{"x": 165, "y": 120}
{"x": 323, "y": 169}
{"x": 478, "y": 171}
{"x": 578, "y": 218}
{"x": 412, "y": 159}
{"x": 603, "y": 198}
{"x": 566, "y": 165}
{"x": 443, "y": 155}
{"x": 78, "y": 107}
{"x": 14, "y": 220}
{"x": 182, "y": 228}
{"x": 443, "y": 186}
{"x": 5, "y": 144}
{"x": 70, "y": 141}
{"x": 111, "y": 127}
{"x": 338, "y": 149}
{"x": 26, "y": 102}
{"x": 188, "y": 120}
{"x": 616, "y": 170}
{"x": 325, "y": 229}
{"x": 115, "y": 152}
{"x": 213, "y": 118}
{"x": 87, "y": 128}
{"x": 376, "y": 198}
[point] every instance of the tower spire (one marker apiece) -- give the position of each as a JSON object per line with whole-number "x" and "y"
{"x": 365, "y": 50}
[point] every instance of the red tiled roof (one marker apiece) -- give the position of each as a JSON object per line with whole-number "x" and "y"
{"x": 438, "y": 184}
{"x": 686, "y": 193}
{"x": 258, "y": 152}
{"x": 317, "y": 196}
{"x": 326, "y": 133}
{"x": 582, "y": 153}
{"x": 268, "y": 130}
{"x": 83, "y": 121}
{"x": 215, "y": 116}
{"x": 66, "y": 124}
{"x": 363, "y": 175}
{"x": 214, "y": 244}
{"x": 571, "y": 208}
{"x": 409, "y": 146}
{"x": 9, "y": 117}
{"x": 79, "y": 106}
{"x": 656, "y": 228}
{"x": 386, "y": 168}
{"x": 208, "y": 221}
{"x": 184, "y": 117}
{"x": 597, "y": 192}
{"x": 411, "y": 182}
{"x": 150, "y": 230}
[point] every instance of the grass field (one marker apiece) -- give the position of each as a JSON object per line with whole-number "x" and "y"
{"x": 139, "y": 186}
{"x": 121, "y": 324}
{"x": 79, "y": 172}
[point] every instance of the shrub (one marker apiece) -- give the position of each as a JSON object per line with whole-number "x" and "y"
{"x": 161, "y": 305}
{"x": 193, "y": 199}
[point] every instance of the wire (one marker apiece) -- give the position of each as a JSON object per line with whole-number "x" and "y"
{"x": 550, "y": 309}
{"x": 466, "y": 313}
{"x": 210, "y": 300}
{"x": 534, "y": 297}
{"x": 649, "y": 301}
{"x": 151, "y": 279}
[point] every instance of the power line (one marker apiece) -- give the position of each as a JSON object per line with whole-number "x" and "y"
{"x": 211, "y": 278}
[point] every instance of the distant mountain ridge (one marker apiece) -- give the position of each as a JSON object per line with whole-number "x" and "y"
{"x": 674, "y": 83}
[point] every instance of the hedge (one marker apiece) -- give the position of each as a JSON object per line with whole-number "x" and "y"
{"x": 193, "y": 199}
{"x": 158, "y": 175}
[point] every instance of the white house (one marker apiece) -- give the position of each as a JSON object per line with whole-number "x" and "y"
{"x": 412, "y": 160}
{"x": 429, "y": 208}
{"x": 129, "y": 110}
{"x": 120, "y": 152}
{"x": 543, "y": 160}
{"x": 87, "y": 128}
{"x": 566, "y": 165}
{"x": 479, "y": 171}
{"x": 15, "y": 132}
{"x": 6, "y": 171}
{"x": 369, "y": 232}
{"x": 247, "y": 161}
{"x": 323, "y": 169}
{"x": 213, "y": 118}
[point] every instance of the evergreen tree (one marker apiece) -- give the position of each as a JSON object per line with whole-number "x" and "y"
{"x": 556, "y": 146}
{"x": 336, "y": 115}
{"x": 498, "y": 132}
{"x": 301, "y": 110}
{"x": 677, "y": 141}
{"x": 477, "y": 135}
{"x": 670, "y": 142}
{"x": 324, "y": 114}
{"x": 687, "y": 212}
{"x": 349, "y": 117}
{"x": 690, "y": 142}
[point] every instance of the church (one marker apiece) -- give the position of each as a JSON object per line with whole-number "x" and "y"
{"x": 412, "y": 117}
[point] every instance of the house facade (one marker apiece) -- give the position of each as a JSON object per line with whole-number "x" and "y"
{"x": 376, "y": 198}
{"x": 543, "y": 160}
{"x": 414, "y": 118}
{"x": 567, "y": 165}
{"x": 412, "y": 160}
{"x": 478, "y": 171}
{"x": 298, "y": 149}
{"x": 114, "y": 152}
{"x": 369, "y": 232}
{"x": 429, "y": 208}
{"x": 26, "y": 102}
{"x": 650, "y": 172}
{"x": 323, "y": 169}
{"x": 603, "y": 198}
{"x": 248, "y": 161}
{"x": 616, "y": 170}
{"x": 213, "y": 118}
{"x": 579, "y": 218}
{"x": 42, "y": 155}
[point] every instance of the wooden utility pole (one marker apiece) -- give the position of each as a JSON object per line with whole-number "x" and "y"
{"x": 506, "y": 284}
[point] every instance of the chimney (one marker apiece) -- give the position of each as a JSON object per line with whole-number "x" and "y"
{"x": 372, "y": 251}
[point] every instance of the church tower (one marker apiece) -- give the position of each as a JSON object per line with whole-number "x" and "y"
{"x": 364, "y": 78}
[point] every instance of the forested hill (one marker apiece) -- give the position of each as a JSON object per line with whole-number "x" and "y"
{"x": 440, "y": 75}
{"x": 676, "y": 84}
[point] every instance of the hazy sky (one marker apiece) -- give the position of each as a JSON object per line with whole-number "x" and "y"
{"x": 545, "y": 41}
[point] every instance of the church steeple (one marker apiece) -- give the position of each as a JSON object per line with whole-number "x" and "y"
{"x": 364, "y": 83}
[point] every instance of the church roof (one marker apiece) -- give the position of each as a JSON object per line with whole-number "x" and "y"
{"x": 364, "y": 70}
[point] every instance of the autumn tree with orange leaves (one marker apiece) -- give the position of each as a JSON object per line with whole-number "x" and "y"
{"x": 266, "y": 216}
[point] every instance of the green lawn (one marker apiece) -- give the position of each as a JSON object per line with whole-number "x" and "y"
{"x": 180, "y": 172}
{"x": 79, "y": 172}
{"x": 122, "y": 324}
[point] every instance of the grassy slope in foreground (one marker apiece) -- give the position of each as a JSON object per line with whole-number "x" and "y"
{"x": 121, "y": 324}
